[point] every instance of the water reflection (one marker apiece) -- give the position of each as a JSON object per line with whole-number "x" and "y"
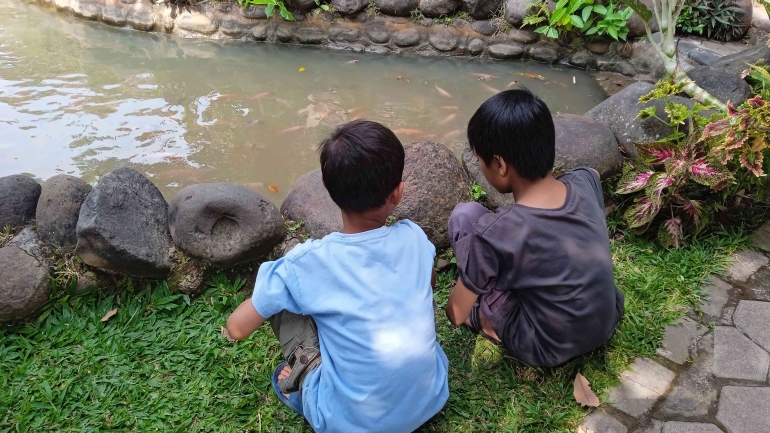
{"x": 83, "y": 98}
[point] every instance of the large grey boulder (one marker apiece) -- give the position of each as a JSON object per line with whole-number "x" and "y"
{"x": 582, "y": 141}
{"x": 349, "y": 7}
{"x": 24, "y": 284}
{"x": 398, "y": 8}
{"x": 721, "y": 83}
{"x": 301, "y": 5}
{"x": 620, "y": 111}
{"x": 516, "y": 10}
{"x": 123, "y": 226}
{"x": 493, "y": 199}
{"x": 438, "y": 8}
{"x": 28, "y": 241}
{"x": 18, "y": 199}
{"x": 434, "y": 182}
{"x": 738, "y": 62}
{"x": 309, "y": 202}
{"x": 480, "y": 9}
{"x": 635, "y": 24}
{"x": 58, "y": 209}
{"x": 224, "y": 223}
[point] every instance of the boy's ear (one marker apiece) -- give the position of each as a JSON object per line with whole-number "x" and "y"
{"x": 502, "y": 167}
{"x": 397, "y": 194}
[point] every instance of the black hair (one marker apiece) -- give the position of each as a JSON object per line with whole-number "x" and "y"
{"x": 362, "y": 162}
{"x": 517, "y": 126}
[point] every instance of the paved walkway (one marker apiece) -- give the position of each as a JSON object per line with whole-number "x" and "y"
{"x": 711, "y": 375}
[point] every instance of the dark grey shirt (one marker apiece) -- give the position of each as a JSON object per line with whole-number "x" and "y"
{"x": 545, "y": 276}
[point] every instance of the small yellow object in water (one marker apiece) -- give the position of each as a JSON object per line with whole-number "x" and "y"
{"x": 302, "y": 69}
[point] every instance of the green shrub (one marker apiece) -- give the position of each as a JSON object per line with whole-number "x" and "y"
{"x": 579, "y": 16}
{"x": 720, "y": 19}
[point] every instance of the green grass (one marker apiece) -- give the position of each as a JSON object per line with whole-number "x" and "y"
{"x": 160, "y": 364}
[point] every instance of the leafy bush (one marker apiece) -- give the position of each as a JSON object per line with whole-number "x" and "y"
{"x": 270, "y": 6}
{"x": 681, "y": 180}
{"x": 720, "y": 19}
{"x": 580, "y": 16}
{"x": 612, "y": 22}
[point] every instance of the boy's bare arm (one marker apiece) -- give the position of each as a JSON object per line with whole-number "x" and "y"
{"x": 244, "y": 321}
{"x": 460, "y": 303}
{"x": 433, "y": 280}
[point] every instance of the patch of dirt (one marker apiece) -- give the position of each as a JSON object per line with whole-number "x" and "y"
{"x": 611, "y": 82}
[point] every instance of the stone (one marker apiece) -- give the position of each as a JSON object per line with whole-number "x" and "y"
{"x": 406, "y": 38}
{"x": 635, "y": 24}
{"x": 197, "y": 23}
{"x": 737, "y": 63}
{"x": 506, "y": 50}
{"x": 744, "y": 409}
{"x": 689, "y": 427}
{"x": 309, "y": 202}
{"x": 695, "y": 391}
{"x": 737, "y": 357}
{"x": 484, "y": 27}
{"x": 283, "y": 33}
{"x": 703, "y": 57}
{"x": 224, "y": 223}
{"x": 443, "y": 265}
{"x": 726, "y": 318}
{"x": 311, "y": 36}
{"x": 438, "y": 8}
{"x": 620, "y": 112}
{"x": 646, "y": 60}
{"x": 344, "y": 34}
{"x": 761, "y": 237}
{"x": 28, "y": 241}
{"x": 86, "y": 10}
{"x": 123, "y": 226}
{"x": 745, "y": 263}
{"x": 301, "y": 5}
{"x": 287, "y": 245}
{"x": 515, "y": 11}
{"x": 641, "y": 387}
{"x": 24, "y": 284}
{"x": 397, "y": 8}
{"x": 443, "y": 39}
{"x": 752, "y": 317}
{"x": 759, "y": 285}
{"x": 259, "y": 32}
{"x": 18, "y": 200}
{"x": 493, "y": 199}
{"x": 625, "y": 49}
{"x": 141, "y": 19}
{"x": 718, "y": 295}
{"x": 583, "y": 59}
{"x": 761, "y": 23}
{"x": 349, "y": 7}
{"x": 58, "y": 209}
{"x": 599, "y": 421}
{"x": 254, "y": 12}
{"x": 544, "y": 53}
{"x": 476, "y": 47}
{"x": 377, "y": 49}
{"x": 522, "y": 36}
{"x": 722, "y": 84}
{"x": 87, "y": 281}
{"x": 746, "y": 17}
{"x": 679, "y": 338}
{"x": 597, "y": 47}
{"x": 114, "y": 14}
{"x": 621, "y": 67}
{"x": 434, "y": 182}
{"x": 377, "y": 33}
{"x": 582, "y": 141}
{"x": 654, "y": 426}
{"x": 235, "y": 28}
{"x": 479, "y": 9}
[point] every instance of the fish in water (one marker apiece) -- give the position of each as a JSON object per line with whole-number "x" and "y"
{"x": 292, "y": 129}
{"x": 448, "y": 119}
{"x": 284, "y": 102}
{"x": 222, "y": 96}
{"x": 429, "y": 137}
{"x": 259, "y": 96}
{"x": 512, "y": 83}
{"x": 350, "y": 62}
{"x": 443, "y": 92}
{"x": 491, "y": 89}
{"x": 452, "y": 134}
{"x": 405, "y": 131}
{"x": 531, "y": 75}
{"x": 400, "y": 75}
{"x": 450, "y": 108}
{"x": 483, "y": 77}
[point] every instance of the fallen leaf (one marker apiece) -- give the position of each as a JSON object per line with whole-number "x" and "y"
{"x": 272, "y": 188}
{"x": 583, "y": 393}
{"x": 227, "y": 335}
{"x": 109, "y": 314}
{"x": 531, "y": 75}
{"x": 302, "y": 69}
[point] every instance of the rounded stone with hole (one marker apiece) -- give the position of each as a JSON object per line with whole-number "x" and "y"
{"x": 24, "y": 284}
{"x": 224, "y": 223}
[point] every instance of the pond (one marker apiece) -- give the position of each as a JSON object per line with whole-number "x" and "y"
{"x": 82, "y": 98}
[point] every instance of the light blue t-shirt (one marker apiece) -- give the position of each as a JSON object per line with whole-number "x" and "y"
{"x": 382, "y": 369}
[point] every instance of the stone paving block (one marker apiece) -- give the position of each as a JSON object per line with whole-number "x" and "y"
{"x": 719, "y": 294}
{"x": 759, "y": 285}
{"x": 761, "y": 237}
{"x": 745, "y": 409}
{"x": 737, "y": 357}
{"x": 689, "y": 427}
{"x": 726, "y": 319}
{"x": 679, "y": 338}
{"x": 654, "y": 426}
{"x": 753, "y": 318}
{"x": 599, "y": 422}
{"x": 641, "y": 387}
{"x": 746, "y": 262}
{"x": 695, "y": 390}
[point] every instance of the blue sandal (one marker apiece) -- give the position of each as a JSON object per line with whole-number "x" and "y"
{"x": 294, "y": 401}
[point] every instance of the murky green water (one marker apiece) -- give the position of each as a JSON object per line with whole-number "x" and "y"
{"x": 83, "y": 98}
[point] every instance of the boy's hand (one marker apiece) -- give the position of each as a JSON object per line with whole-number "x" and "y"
{"x": 460, "y": 303}
{"x": 227, "y": 335}
{"x": 244, "y": 321}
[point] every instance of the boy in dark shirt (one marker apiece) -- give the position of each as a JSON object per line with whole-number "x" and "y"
{"x": 537, "y": 276}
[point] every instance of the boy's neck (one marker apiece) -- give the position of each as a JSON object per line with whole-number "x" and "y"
{"x": 359, "y": 222}
{"x": 545, "y": 193}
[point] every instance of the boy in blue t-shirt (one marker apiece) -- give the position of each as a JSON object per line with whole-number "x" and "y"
{"x": 354, "y": 311}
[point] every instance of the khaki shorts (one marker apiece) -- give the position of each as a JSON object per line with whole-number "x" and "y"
{"x": 298, "y": 336}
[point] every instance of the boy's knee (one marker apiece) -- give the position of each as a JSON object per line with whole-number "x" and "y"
{"x": 462, "y": 219}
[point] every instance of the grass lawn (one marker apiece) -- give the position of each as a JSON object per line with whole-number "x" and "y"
{"x": 160, "y": 363}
